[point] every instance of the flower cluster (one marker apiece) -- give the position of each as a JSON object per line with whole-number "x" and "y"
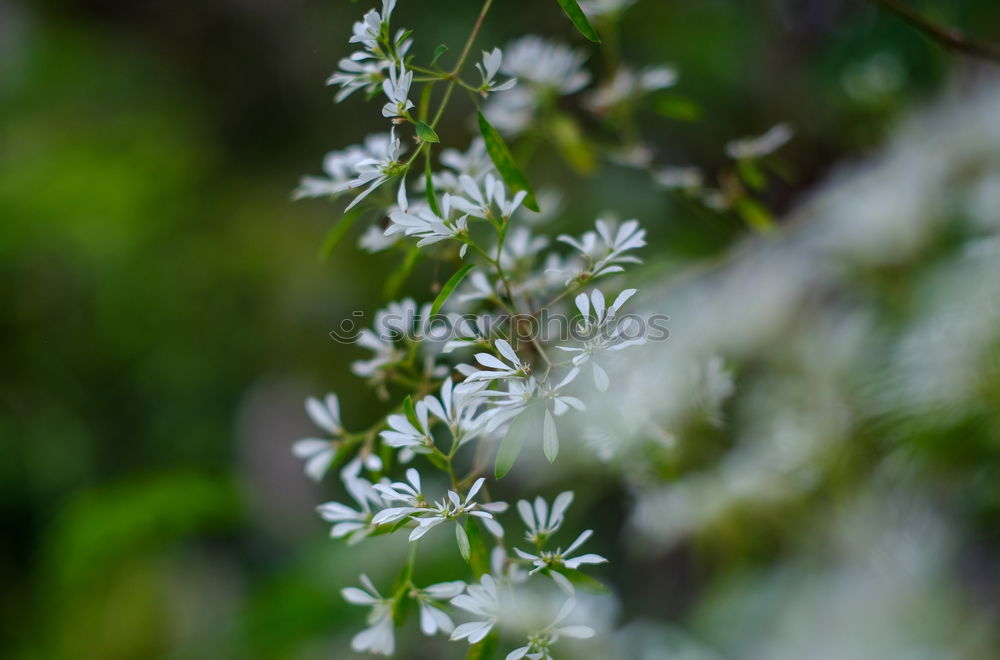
{"x": 490, "y": 387}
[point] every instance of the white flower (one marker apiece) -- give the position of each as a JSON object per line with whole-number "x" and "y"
{"x": 506, "y": 405}
{"x": 489, "y": 68}
{"x": 626, "y": 85}
{"x": 457, "y": 408}
{"x": 520, "y": 247}
{"x": 763, "y": 145}
{"x": 421, "y": 222}
{"x": 430, "y": 515}
{"x": 512, "y": 111}
{"x": 542, "y": 521}
{"x": 355, "y": 523}
{"x": 373, "y": 240}
{"x": 599, "y": 335}
{"x": 453, "y": 507}
{"x": 483, "y": 601}
{"x": 479, "y": 288}
{"x": 546, "y": 64}
{"x": 474, "y": 162}
{"x": 357, "y": 72}
{"x": 378, "y": 637}
{"x": 373, "y": 172}
{"x": 513, "y": 368}
{"x": 368, "y": 30}
{"x": 407, "y": 493}
{"x": 479, "y": 202}
{"x": 688, "y": 179}
{"x": 403, "y": 433}
{"x": 539, "y": 641}
{"x": 599, "y": 8}
{"x": 341, "y": 167}
{"x": 432, "y": 617}
{"x": 560, "y": 558}
{"x": 397, "y": 88}
{"x": 318, "y": 453}
{"x": 605, "y": 250}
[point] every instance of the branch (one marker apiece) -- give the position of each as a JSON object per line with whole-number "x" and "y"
{"x": 950, "y": 38}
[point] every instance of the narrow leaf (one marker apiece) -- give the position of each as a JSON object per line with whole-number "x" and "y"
{"x": 479, "y": 559}
{"x": 550, "y": 437}
{"x": 438, "y": 52}
{"x": 411, "y": 414}
{"x": 429, "y": 190}
{"x": 513, "y": 441}
{"x": 337, "y": 232}
{"x": 504, "y": 162}
{"x": 401, "y": 272}
{"x": 449, "y": 287}
{"x": 755, "y": 214}
{"x": 463, "y": 541}
{"x": 579, "y": 19}
{"x": 677, "y": 107}
{"x": 426, "y": 133}
{"x": 752, "y": 174}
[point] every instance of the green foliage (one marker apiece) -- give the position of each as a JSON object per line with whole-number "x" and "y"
{"x": 504, "y": 162}
{"x": 575, "y": 14}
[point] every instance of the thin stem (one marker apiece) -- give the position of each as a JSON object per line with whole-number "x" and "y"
{"x": 947, "y": 36}
{"x": 461, "y": 62}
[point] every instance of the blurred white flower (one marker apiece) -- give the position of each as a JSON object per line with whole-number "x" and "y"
{"x": 378, "y": 638}
{"x": 483, "y": 601}
{"x": 627, "y": 85}
{"x": 599, "y": 8}
{"x": 348, "y": 522}
{"x": 760, "y": 146}
{"x": 604, "y": 250}
{"x": 539, "y": 641}
{"x": 403, "y": 433}
{"x": 432, "y": 618}
{"x": 545, "y": 64}
{"x": 318, "y": 453}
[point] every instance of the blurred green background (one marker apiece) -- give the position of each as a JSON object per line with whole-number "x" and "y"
{"x": 166, "y": 310}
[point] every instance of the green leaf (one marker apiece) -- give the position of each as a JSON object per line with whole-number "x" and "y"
{"x": 409, "y": 411}
{"x": 485, "y": 649}
{"x": 429, "y": 190}
{"x": 572, "y": 145}
{"x": 449, "y": 287}
{"x": 504, "y": 162}
{"x": 399, "y": 275}
{"x": 479, "y": 559}
{"x": 550, "y": 437}
{"x": 513, "y": 441}
{"x": 337, "y": 232}
{"x": 579, "y": 19}
{"x": 463, "y": 542}
{"x": 752, "y": 174}
{"x": 755, "y": 214}
{"x": 438, "y": 52}
{"x": 677, "y": 107}
{"x": 426, "y": 133}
